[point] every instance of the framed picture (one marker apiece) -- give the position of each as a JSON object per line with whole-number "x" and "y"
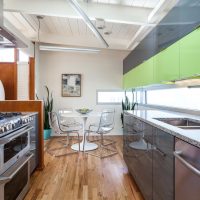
{"x": 71, "y": 85}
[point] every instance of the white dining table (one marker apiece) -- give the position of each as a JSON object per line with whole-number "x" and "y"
{"x": 88, "y": 145}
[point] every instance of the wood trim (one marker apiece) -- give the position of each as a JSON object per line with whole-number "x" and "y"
{"x": 8, "y": 75}
{"x": 16, "y": 55}
{"x": 15, "y": 79}
{"x": 31, "y": 78}
{"x": 28, "y": 106}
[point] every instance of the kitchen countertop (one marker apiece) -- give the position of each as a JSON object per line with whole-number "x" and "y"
{"x": 190, "y": 136}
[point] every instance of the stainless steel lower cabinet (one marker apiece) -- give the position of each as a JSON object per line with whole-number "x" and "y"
{"x": 148, "y": 153}
{"x": 187, "y": 171}
{"x": 138, "y": 153}
{"x": 163, "y": 166}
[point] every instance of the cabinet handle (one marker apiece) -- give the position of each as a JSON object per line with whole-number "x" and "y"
{"x": 197, "y": 27}
{"x": 177, "y": 155}
{"x": 5, "y": 179}
{"x": 160, "y": 152}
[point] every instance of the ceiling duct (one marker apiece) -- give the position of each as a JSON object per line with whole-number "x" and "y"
{"x": 8, "y": 39}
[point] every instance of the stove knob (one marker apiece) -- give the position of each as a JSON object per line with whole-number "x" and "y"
{"x": 13, "y": 126}
{"x": 8, "y": 127}
{"x": 30, "y": 119}
{"x": 25, "y": 120}
{"x": 1, "y": 130}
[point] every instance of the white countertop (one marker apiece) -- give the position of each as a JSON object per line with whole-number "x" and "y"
{"x": 190, "y": 136}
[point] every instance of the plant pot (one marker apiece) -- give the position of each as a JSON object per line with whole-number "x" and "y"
{"x": 47, "y": 134}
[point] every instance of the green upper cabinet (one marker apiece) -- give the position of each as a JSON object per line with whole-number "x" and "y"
{"x": 132, "y": 78}
{"x": 190, "y": 54}
{"x": 140, "y": 76}
{"x": 167, "y": 64}
{"x": 148, "y": 72}
{"x": 178, "y": 61}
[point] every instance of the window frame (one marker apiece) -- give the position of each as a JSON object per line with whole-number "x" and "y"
{"x": 137, "y": 95}
{"x": 20, "y": 61}
{"x": 14, "y": 55}
{"x": 108, "y": 90}
{"x": 162, "y": 107}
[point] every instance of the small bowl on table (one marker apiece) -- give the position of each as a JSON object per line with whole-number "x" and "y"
{"x": 83, "y": 111}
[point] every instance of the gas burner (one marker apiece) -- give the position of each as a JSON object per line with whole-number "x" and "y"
{"x": 11, "y": 121}
{"x": 9, "y": 114}
{"x": 1, "y": 116}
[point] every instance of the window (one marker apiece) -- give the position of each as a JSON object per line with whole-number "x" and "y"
{"x": 187, "y": 98}
{"x": 113, "y": 96}
{"x": 7, "y": 55}
{"x": 23, "y": 57}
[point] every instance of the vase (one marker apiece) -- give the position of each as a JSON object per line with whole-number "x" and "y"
{"x": 47, "y": 134}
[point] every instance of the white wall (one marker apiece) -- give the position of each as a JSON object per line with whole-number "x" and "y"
{"x": 22, "y": 81}
{"x": 99, "y": 71}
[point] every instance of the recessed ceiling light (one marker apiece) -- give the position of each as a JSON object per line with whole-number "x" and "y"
{"x": 107, "y": 32}
{"x": 101, "y": 27}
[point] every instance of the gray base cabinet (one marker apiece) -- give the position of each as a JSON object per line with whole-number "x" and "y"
{"x": 148, "y": 152}
{"x": 163, "y": 166}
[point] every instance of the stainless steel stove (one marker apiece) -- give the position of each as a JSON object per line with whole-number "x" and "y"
{"x": 11, "y": 121}
{"x": 18, "y": 153}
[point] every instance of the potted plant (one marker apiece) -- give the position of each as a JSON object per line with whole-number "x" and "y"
{"x": 127, "y": 105}
{"x": 48, "y": 107}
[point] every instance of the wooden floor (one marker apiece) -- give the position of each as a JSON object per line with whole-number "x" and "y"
{"x": 83, "y": 177}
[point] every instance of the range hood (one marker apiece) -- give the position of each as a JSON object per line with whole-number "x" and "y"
{"x": 8, "y": 39}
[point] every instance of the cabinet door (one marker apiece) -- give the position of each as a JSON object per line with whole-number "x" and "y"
{"x": 132, "y": 78}
{"x": 190, "y": 54}
{"x": 140, "y": 76}
{"x": 138, "y": 153}
{"x": 142, "y": 166}
{"x": 145, "y": 161}
{"x": 167, "y": 64}
{"x": 131, "y": 134}
{"x": 147, "y": 76}
{"x": 163, "y": 166}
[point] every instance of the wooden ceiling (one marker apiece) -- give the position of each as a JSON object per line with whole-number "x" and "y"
{"x": 127, "y": 21}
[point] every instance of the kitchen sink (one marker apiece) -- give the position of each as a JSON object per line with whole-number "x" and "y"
{"x": 183, "y": 123}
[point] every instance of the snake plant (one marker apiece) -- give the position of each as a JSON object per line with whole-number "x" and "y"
{"x": 48, "y": 107}
{"x": 128, "y": 105}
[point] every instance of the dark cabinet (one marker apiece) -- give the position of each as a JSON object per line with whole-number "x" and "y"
{"x": 138, "y": 153}
{"x": 163, "y": 166}
{"x": 148, "y": 152}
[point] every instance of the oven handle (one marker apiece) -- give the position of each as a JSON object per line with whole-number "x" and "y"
{"x": 177, "y": 155}
{"x": 20, "y": 132}
{"x": 5, "y": 179}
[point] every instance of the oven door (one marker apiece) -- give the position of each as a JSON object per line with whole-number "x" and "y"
{"x": 14, "y": 182}
{"x": 14, "y": 146}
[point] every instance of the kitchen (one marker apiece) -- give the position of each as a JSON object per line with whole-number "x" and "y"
{"x": 99, "y": 99}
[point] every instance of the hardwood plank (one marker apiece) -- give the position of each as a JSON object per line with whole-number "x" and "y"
{"x": 83, "y": 177}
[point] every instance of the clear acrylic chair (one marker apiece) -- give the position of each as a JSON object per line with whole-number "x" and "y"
{"x": 105, "y": 125}
{"x": 62, "y": 129}
{"x": 69, "y": 121}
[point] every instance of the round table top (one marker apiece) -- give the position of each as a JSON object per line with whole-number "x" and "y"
{"x": 75, "y": 114}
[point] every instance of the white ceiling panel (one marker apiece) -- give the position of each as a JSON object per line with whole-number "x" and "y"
{"x": 133, "y": 3}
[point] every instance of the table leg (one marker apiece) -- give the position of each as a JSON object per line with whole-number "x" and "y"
{"x": 84, "y": 145}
